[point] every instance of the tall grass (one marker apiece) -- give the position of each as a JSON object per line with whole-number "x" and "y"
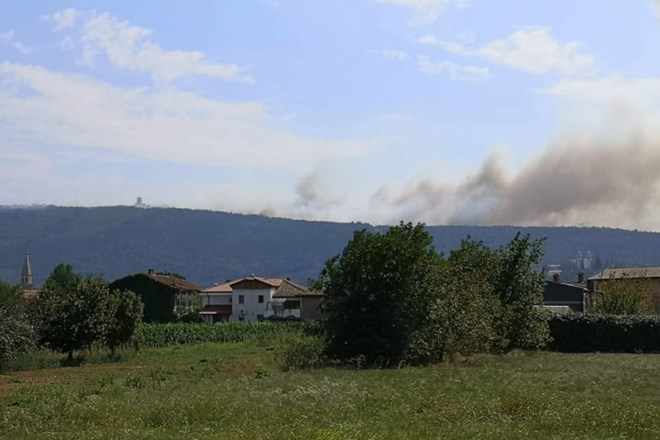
{"x": 235, "y": 391}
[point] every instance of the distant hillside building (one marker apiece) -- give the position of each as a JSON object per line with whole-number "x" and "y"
{"x": 140, "y": 204}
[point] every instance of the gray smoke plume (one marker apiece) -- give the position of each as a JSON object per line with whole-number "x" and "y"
{"x": 593, "y": 182}
{"x": 315, "y": 191}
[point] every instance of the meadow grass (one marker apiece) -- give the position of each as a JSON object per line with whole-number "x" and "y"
{"x": 238, "y": 391}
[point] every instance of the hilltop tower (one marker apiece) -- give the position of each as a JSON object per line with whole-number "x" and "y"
{"x": 26, "y": 273}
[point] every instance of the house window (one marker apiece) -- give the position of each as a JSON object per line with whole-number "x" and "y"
{"x": 261, "y": 299}
{"x": 241, "y": 299}
{"x": 260, "y": 317}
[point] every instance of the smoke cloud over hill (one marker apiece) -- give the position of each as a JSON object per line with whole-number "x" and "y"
{"x": 575, "y": 181}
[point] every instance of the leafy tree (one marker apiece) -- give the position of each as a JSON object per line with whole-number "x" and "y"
{"x": 62, "y": 280}
{"x": 469, "y": 307}
{"x": 376, "y": 293}
{"x": 519, "y": 287}
{"x": 75, "y": 312}
{"x": 73, "y": 316}
{"x": 391, "y": 297}
{"x": 125, "y": 316}
{"x": 624, "y": 296}
{"x": 16, "y": 334}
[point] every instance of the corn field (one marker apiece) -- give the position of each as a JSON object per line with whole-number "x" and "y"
{"x": 168, "y": 334}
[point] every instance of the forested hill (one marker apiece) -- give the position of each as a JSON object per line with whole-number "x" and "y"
{"x": 208, "y": 247}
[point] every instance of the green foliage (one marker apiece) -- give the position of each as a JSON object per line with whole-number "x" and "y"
{"x": 125, "y": 316}
{"x": 158, "y": 299}
{"x": 376, "y": 293}
{"x": 74, "y": 316}
{"x": 390, "y": 298}
{"x": 63, "y": 280}
{"x": 605, "y": 333}
{"x": 172, "y": 274}
{"x": 16, "y": 334}
{"x": 520, "y": 288}
{"x": 153, "y": 335}
{"x": 624, "y": 296}
{"x": 467, "y": 310}
{"x": 75, "y": 313}
{"x": 300, "y": 352}
{"x": 234, "y": 391}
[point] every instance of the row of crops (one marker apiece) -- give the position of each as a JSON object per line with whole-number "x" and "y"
{"x": 164, "y": 335}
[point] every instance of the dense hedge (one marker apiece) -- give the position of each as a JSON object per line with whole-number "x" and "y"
{"x": 578, "y": 333}
{"x": 167, "y": 334}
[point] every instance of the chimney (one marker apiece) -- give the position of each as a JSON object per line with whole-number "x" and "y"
{"x": 581, "y": 277}
{"x": 555, "y": 277}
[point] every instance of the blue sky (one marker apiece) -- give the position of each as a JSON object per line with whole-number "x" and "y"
{"x": 443, "y": 111}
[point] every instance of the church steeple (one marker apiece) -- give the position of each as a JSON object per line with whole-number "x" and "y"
{"x": 26, "y": 273}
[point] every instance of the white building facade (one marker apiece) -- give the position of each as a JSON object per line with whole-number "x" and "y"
{"x": 252, "y": 299}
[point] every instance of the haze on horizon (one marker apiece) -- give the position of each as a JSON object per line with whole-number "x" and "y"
{"x": 442, "y": 111}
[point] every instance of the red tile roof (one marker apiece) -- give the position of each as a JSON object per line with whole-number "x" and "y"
{"x": 284, "y": 287}
{"x": 176, "y": 282}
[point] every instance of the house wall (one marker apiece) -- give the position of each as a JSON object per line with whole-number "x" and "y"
{"x": 310, "y": 308}
{"x": 216, "y": 300}
{"x": 653, "y": 285}
{"x": 558, "y": 294}
{"x": 654, "y": 293}
{"x": 251, "y": 310}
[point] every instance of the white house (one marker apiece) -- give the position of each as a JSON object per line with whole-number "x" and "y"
{"x": 254, "y": 298}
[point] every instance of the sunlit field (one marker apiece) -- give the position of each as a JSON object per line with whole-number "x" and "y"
{"x": 238, "y": 391}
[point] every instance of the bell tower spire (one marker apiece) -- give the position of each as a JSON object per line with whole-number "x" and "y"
{"x": 26, "y": 273}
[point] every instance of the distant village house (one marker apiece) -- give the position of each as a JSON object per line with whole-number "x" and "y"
{"x": 254, "y": 299}
{"x": 650, "y": 274}
{"x": 165, "y": 296}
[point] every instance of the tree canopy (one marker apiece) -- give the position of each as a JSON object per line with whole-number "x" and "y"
{"x": 75, "y": 312}
{"x": 390, "y": 297}
{"x": 16, "y": 334}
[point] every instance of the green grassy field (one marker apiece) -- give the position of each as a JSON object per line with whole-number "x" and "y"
{"x": 237, "y": 391}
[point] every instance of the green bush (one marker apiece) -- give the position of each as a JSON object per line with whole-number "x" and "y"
{"x": 16, "y": 333}
{"x": 578, "y": 333}
{"x": 300, "y": 352}
{"x": 16, "y": 337}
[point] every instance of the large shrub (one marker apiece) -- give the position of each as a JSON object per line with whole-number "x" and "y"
{"x": 605, "y": 333}
{"x": 622, "y": 296}
{"x": 16, "y": 334}
{"x": 74, "y": 313}
{"x": 377, "y": 293}
{"x": 519, "y": 287}
{"x": 125, "y": 315}
{"x": 391, "y": 298}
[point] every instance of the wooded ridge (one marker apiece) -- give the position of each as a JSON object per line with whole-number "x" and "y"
{"x": 209, "y": 247}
